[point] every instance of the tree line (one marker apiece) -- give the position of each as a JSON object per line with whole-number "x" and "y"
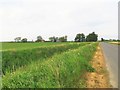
{"x": 80, "y": 37}
{"x": 92, "y": 37}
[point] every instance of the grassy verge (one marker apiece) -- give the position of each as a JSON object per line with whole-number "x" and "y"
{"x": 60, "y": 71}
{"x": 0, "y": 67}
{"x": 116, "y": 43}
{"x": 12, "y": 60}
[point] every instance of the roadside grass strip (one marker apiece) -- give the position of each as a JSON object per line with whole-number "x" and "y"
{"x": 63, "y": 70}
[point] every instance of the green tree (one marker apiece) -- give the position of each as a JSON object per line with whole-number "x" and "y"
{"x": 24, "y": 40}
{"x": 39, "y": 39}
{"x": 102, "y": 39}
{"x": 58, "y": 39}
{"x": 92, "y": 37}
{"x": 63, "y": 39}
{"x": 53, "y": 39}
{"x": 80, "y": 37}
{"x": 17, "y": 39}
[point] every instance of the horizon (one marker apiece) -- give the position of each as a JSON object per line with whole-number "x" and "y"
{"x": 31, "y": 18}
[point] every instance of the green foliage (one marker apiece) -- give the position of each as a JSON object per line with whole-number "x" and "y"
{"x": 80, "y": 37}
{"x": 23, "y": 46}
{"x": 40, "y": 39}
{"x": 11, "y": 60}
{"x": 63, "y": 70}
{"x": 92, "y": 37}
{"x": 102, "y": 39}
{"x": 58, "y": 39}
{"x": 24, "y": 40}
{"x": 17, "y": 39}
{"x": 53, "y": 39}
{"x": 63, "y": 39}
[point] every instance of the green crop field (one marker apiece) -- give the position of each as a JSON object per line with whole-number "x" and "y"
{"x": 21, "y": 46}
{"x": 46, "y": 64}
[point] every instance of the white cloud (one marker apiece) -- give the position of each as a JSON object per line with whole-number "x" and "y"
{"x": 29, "y": 18}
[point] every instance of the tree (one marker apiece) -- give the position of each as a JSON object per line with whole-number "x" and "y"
{"x": 24, "y": 40}
{"x": 83, "y": 37}
{"x": 92, "y": 37}
{"x": 39, "y": 39}
{"x": 80, "y": 37}
{"x": 53, "y": 39}
{"x": 102, "y": 39}
{"x": 58, "y": 39}
{"x": 17, "y": 39}
{"x": 63, "y": 39}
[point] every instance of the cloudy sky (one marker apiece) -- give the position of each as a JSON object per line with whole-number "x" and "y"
{"x": 30, "y": 18}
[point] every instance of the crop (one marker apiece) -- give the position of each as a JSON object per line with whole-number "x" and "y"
{"x": 64, "y": 70}
{"x": 14, "y": 59}
{"x": 22, "y": 46}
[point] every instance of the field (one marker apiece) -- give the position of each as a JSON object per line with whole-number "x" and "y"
{"x": 22, "y": 46}
{"x": 46, "y": 64}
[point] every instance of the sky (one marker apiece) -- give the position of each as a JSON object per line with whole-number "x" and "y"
{"x": 47, "y": 18}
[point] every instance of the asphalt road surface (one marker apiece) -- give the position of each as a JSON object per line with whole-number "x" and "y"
{"x": 110, "y": 52}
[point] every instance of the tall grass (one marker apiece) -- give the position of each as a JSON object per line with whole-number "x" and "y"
{"x": 11, "y": 60}
{"x": 60, "y": 71}
{"x": 0, "y": 64}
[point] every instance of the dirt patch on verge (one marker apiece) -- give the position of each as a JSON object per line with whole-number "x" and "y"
{"x": 99, "y": 78}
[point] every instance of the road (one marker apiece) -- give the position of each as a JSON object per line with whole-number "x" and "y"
{"x": 110, "y": 52}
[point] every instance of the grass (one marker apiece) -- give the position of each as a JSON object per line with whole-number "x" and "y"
{"x": 0, "y": 82}
{"x": 116, "y": 43}
{"x": 11, "y": 60}
{"x": 22, "y": 46}
{"x": 0, "y": 66}
{"x": 63, "y": 70}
